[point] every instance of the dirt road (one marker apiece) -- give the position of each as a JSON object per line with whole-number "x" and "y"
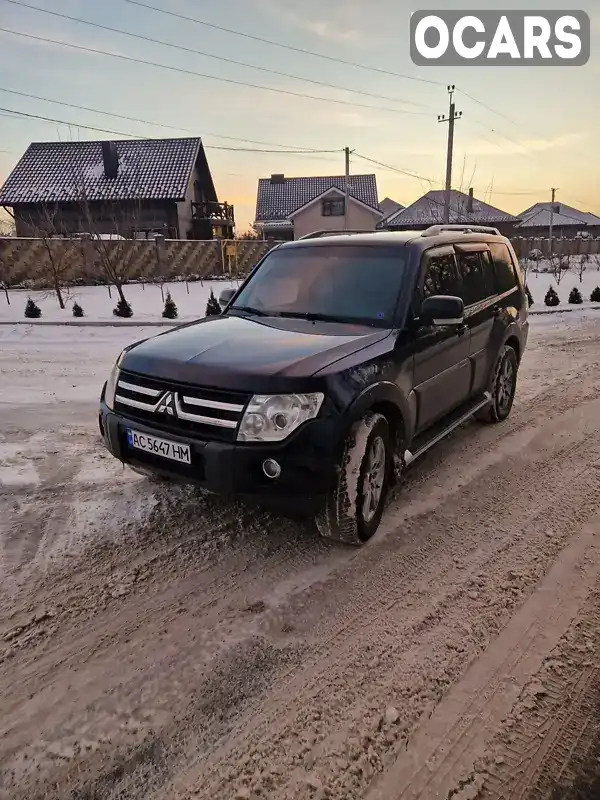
{"x": 158, "y": 644}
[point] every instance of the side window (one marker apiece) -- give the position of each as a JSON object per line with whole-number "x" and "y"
{"x": 504, "y": 270}
{"x": 476, "y": 278}
{"x": 441, "y": 277}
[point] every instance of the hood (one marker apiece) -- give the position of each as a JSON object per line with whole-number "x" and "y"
{"x": 244, "y": 353}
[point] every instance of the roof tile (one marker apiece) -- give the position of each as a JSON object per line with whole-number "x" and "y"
{"x": 428, "y": 210}
{"x": 149, "y": 169}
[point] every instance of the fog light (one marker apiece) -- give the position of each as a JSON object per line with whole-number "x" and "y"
{"x": 271, "y": 468}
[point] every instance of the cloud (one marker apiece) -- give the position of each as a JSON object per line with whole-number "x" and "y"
{"x": 334, "y": 28}
{"x": 327, "y": 29}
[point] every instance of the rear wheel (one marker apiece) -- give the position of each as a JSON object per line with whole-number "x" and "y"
{"x": 355, "y": 505}
{"x": 502, "y": 387}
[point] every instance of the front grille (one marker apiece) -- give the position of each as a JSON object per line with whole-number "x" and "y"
{"x": 192, "y": 410}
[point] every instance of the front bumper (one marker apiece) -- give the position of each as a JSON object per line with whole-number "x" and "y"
{"x": 307, "y": 462}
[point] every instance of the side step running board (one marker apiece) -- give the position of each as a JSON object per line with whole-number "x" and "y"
{"x": 441, "y": 434}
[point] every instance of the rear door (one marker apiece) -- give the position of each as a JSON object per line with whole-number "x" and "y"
{"x": 479, "y": 295}
{"x": 442, "y": 370}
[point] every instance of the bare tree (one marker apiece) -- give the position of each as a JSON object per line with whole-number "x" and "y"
{"x": 4, "y": 273}
{"x": 112, "y": 250}
{"x": 560, "y": 265}
{"x": 526, "y": 263}
{"x": 248, "y": 235}
{"x": 59, "y": 251}
{"x": 581, "y": 264}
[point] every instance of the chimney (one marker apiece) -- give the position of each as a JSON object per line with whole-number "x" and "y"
{"x": 110, "y": 158}
{"x": 470, "y": 202}
{"x": 277, "y": 179}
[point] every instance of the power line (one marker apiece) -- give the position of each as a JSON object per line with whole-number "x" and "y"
{"x": 397, "y": 169}
{"x": 26, "y": 115}
{"x": 488, "y": 107}
{"x": 313, "y": 53}
{"x": 183, "y": 71}
{"x": 523, "y": 150}
{"x": 281, "y": 45}
{"x": 157, "y": 124}
{"x": 210, "y": 55}
{"x": 523, "y": 194}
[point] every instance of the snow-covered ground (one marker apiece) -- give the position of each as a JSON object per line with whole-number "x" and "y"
{"x": 540, "y": 282}
{"x": 147, "y": 300}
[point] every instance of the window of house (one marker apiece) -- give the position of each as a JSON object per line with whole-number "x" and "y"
{"x": 333, "y": 208}
{"x": 477, "y": 277}
{"x": 442, "y": 277}
{"x": 504, "y": 270}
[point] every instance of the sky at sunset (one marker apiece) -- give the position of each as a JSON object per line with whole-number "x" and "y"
{"x": 524, "y": 129}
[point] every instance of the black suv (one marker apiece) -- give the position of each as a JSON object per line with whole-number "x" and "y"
{"x": 340, "y": 359}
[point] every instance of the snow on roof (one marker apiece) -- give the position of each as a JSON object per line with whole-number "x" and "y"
{"x": 428, "y": 210}
{"x": 149, "y": 169}
{"x": 538, "y": 216}
{"x": 276, "y": 200}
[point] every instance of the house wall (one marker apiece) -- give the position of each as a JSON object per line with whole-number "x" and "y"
{"x": 124, "y": 218}
{"x": 184, "y": 209}
{"x": 311, "y": 219}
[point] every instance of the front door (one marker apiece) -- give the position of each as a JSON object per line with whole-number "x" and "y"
{"x": 442, "y": 370}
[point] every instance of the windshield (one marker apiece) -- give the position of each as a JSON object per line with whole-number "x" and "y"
{"x": 357, "y": 284}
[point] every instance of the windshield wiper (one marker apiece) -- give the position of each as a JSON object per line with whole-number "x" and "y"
{"x": 313, "y": 316}
{"x": 250, "y": 310}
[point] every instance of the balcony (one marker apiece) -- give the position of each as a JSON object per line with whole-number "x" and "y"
{"x": 218, "y": 213}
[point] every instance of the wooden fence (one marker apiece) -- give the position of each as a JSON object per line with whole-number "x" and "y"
{"x": 32, "y": 262}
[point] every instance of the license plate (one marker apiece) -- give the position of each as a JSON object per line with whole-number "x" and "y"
{"x": 159, "y": 447}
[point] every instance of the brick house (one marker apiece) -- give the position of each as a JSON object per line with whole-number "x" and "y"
{"x": 132, "y": 188}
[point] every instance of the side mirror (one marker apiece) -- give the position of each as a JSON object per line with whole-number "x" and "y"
{"x": 442, "y": 310}
{"x": 225, "y": 297}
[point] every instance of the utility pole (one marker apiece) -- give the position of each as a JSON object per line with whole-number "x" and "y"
{"x": 450, "y": 119}
{"x": 551, "y": 226}
{"x": 347, "y": 185}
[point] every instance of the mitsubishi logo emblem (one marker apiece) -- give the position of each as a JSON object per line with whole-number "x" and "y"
{"x": 167, "y": 404}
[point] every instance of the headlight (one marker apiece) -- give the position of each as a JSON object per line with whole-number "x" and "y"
{"x": 272, "y": 417}
{"x": 111, "y": 383}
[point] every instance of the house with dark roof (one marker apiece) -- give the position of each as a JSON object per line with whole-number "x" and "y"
{"x": 288, "y": 208}
{"x": 131, "y": 188}
{"x": 566, "y": 221}
{"x": 464, "y": 208}
{"x": 388, "y": 208}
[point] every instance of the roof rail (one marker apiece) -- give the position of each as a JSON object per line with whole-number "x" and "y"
{"x": 318, "y": 234}
{"x": 434, "y": 230}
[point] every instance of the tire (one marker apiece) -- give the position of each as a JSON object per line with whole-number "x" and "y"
{"x": 364, "y": 472}
{"x": 502, "y": 387}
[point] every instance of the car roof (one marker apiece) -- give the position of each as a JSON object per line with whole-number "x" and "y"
{"x": 422, "y": 240}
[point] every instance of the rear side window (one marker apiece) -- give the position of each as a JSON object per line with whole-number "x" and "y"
{"x": 506, "y": 278}
{"x": 477, "y": 280}
{"x": 441, "y": 277}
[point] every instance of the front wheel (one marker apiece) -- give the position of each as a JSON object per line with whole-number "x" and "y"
{"x": 502, "y": 388}
{"x": 354, "y": 507}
